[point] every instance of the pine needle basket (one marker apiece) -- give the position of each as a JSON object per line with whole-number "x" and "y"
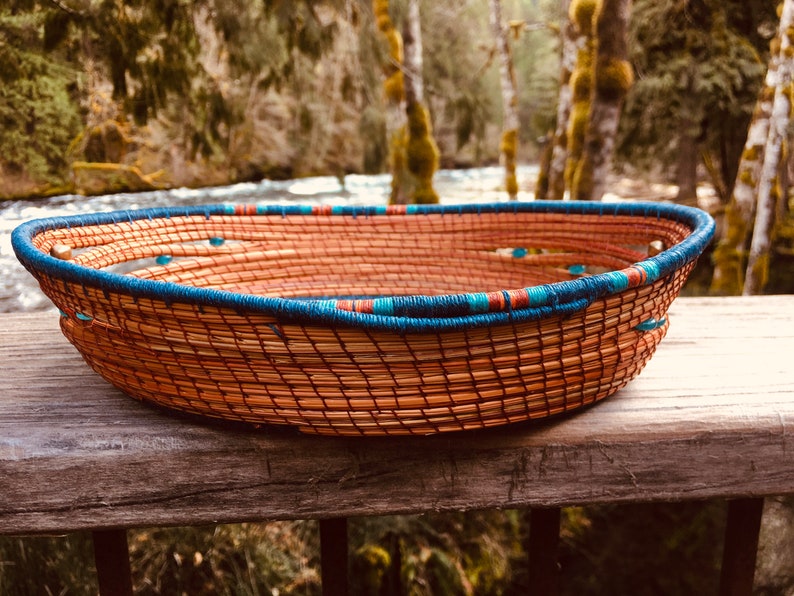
{"x": 368, "y": 320}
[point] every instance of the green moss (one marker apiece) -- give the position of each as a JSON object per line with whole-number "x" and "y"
{"x": 422, "y": 155}
{"x": 369, "y": 565}
{"x": 581, "y": 88}
{"x": 443, "y": 575}
{"x": 542, "y": 183}
{"x": 752, "y": 153}
{"x": 726, "y": 257}
{"x": 767, "y": 93}
{"x": 787, "y": 92}
{"x": 425, "y": 195}
{"x": 582, "y": 183}
{"x": 578, "y": 125}
{"x": 394, "y": 87}
{"x": 746, "y": 178}
{"x": 381, "y": 10}
{"x": 581, "y": 83}
{"x": 581, "y": 14}
{"x": 508, "y": 148}
{"x": 394, "y": 84}
{"x": 613, "y": 78}
{"x": 395, "y": 41}
{"x": 774, "y": 46}
{"x": 509, "y": 143}
{"x": 397, "y": 164}
{"x": 761, "y": 271}
{"x": 776, "y": 191}
{"x": 511, "y": 184}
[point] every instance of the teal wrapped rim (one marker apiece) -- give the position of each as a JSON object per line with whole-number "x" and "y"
{"x": 403, "y": 314}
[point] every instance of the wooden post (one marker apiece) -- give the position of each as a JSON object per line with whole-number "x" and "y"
{"x": 544, "y": 539}
{"x": 333, "y": 556}
{"x": 112, "y": 558}
{"x": 741, "y": 546}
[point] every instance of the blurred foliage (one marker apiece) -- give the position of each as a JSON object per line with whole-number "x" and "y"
{"x": 641, "y": 549}
{"x": 213, "y": 92}
{"x": 240, "y": 559}
{"x": 34, "y": 566}
{"x": 699, "y": 65}
{"x": 39, "y": 108}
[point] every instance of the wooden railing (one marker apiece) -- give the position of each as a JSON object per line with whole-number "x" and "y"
{"x": 710, "y": 417}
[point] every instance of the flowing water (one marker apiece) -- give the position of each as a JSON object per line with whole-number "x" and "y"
{"x": 20, "y": 292}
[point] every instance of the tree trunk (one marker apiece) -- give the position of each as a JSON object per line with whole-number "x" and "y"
{"x": 571, "y": 43}
{"x": 421, "y": 150}
{"x": 509, "y": 144}
{"x": 612, "y": 78}
{"x": 581, "y": 13}
{"x": 687, "y": 167}
{"x": 412, "y": 39}
{"x": 768, "y": 184}
{"x": 730, "y": 253}
{"x": 394, "y": 92}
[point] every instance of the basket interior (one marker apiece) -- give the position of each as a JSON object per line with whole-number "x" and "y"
{"x": 325, "y": 256}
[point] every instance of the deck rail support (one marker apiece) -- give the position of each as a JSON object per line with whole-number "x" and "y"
{"x": 741, "y": 546}
{"x": 544, "y": 540}
{"x": 334, "y": 556}
{"x": 112, "y": 557}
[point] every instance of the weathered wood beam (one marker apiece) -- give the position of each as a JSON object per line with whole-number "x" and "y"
{"x": 710, "y": 416}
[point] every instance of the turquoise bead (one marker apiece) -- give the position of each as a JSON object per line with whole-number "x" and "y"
{"x": 651, "y": 324}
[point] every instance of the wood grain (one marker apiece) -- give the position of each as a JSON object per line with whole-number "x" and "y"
{"x": 712, "y": 415}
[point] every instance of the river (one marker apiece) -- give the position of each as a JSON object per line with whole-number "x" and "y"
{"x": 19, "y": 291}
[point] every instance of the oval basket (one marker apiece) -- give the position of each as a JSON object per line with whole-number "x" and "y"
{"x": 368, "y": 321}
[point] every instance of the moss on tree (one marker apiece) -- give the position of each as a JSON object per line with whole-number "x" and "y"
{"x": 727, "y": 256}
{"x": 421, "y": 154}
{"x": 581, "y": 14}
{"x": 39, "y": 114}
{"x": 394, "y": 84}
{"x": 613, "y": 78}
{"x": 508, "y": 147}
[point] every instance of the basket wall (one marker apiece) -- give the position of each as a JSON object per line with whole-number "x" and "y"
{"x": 357, "y": 365}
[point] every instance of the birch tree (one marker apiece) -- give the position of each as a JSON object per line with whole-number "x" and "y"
{"x": 612, "y": 78}
{"x": 571, "y": 41}
{"x": 509, "y": 143}
{"x": 413, "y": 155}
{"x": 768, "y": 184}
{"x": 730, "y": 255}
{"x": 394, "y": 98}
{"x": 421, "y": 151}
{"x": 581, "y": 14}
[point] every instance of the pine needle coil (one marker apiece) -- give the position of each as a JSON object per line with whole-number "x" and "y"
{"x": 368, "y": 320}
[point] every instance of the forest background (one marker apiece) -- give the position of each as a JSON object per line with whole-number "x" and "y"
{"x": 102, "y": 95}
{"x": 208, "y": 93}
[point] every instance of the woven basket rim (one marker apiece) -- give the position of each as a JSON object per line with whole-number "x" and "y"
{"x": 416, "y": 313}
